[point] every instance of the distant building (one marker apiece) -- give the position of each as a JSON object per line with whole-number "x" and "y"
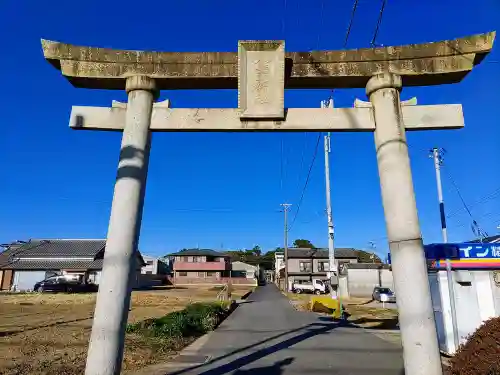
{"x": 200, "y": 264}
{"x": 23, "y": 264}
{"x": 279, "y": 263}
{"x": 241, "y": 269}
{"x": 307, "y": 264}
{"x": 155, "y": 266}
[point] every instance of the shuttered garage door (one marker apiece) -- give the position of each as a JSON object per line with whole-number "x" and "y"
{"x": 25, "y": 280}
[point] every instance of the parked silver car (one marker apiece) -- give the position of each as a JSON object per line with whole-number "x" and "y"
{"x": 378, "y": 292}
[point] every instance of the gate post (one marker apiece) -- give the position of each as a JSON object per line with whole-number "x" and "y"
{"x": 416, "y": 317}
{"x": 106, "y": 345}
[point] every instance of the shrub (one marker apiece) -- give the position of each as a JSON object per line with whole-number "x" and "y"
{"x": 480, "y": 355}
{"x": 195, "y": 320}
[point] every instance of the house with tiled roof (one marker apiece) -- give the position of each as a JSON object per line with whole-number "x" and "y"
{"x": 23, "y": 264}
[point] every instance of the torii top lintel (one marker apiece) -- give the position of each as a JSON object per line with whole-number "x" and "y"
{"x": 418, "y": 64}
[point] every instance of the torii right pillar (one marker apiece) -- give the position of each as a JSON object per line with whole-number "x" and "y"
{"x": 416, "y": 319}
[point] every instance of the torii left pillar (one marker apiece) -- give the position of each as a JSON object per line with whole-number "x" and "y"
{"x": 106, "y": 345}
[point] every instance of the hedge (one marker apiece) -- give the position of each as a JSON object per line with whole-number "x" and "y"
{"x": 195, "y": 320}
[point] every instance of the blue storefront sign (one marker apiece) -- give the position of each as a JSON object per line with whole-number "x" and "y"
{"x": 464, "y": 255}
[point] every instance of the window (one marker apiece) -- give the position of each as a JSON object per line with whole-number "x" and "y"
{"x": 323, "y": 266}
{"x": 305, "y": 266}
{"x": 149, "y": 262}
{"x": 201, "y": 274}
{"x": 182, "y": 273}
{"x": 210, "y": 274}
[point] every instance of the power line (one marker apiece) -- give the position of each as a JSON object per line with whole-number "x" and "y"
{"x": 379, "y": 21}
{"x": 489, "y": 214}
{"x": 475, "y": 225}
{"x": 306, "y": 183}
{"x": 321, "y": 22}
{"x": 459, "y": 194}
{"x": 302, "y": 157}
{"x": 283, "y": 20}
{"x": 348, "y": 32}
{"x": 485, "y": 198}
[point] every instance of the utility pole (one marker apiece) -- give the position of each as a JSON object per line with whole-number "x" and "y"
{"x": 333, "y": 271}
{"x": 372, "y": 252}
{"x": 437, "y": 155}
{"x": 286, "y": 206}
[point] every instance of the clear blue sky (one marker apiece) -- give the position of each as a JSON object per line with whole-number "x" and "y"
{"x": 225, "y": 189}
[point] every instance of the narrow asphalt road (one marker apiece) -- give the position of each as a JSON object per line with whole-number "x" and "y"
{"x": 266, "y": 335}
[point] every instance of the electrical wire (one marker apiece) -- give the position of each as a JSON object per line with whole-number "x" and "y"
{"x": 348, "y": 32}
{"x": 489, "y": 214}
{"x": 306, "y": 183}
{"x": 320, "y": 23}
{"x": 485, "y": 198}
{"x": 459, "y": 193}
{"x": 301, "y": 169}
{"x": 475, "y": 224}
{"x": 379, "y": 21}
{"x": 283, "y": 20}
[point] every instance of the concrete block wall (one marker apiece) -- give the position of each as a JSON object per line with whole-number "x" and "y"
{"x": 360, "y": 282}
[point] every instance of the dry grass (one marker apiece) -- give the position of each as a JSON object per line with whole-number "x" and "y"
{"x": 372, "y": 317}
{"x": 302, "y": 301}
{"x": 345, "y": 301}
{"x": 48, "y": 333}
{"x": 358, "y": 313}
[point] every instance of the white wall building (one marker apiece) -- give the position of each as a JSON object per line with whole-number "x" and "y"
{"x": 241, "y": 269}
{"x": 154, "y": 266}
{"x": 279, "y": 263}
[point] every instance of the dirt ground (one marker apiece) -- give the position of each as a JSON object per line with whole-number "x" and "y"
{"x": 361, "y": 311}
{"x": 48, "y": 333}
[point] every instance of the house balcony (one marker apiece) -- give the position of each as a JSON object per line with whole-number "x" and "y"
{"x": 202, "y": 266}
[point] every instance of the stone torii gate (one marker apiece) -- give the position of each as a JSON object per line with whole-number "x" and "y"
{"x": 261, "y": 70}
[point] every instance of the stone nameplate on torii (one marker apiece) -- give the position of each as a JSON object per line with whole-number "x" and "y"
{"x": 261, "y": 85}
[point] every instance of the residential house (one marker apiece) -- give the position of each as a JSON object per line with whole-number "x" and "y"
{"x": 200, "y": 266}
{"x": 155, "y": 266}
{"x": 241, "y": 269}
{"x": 279, "y": 263}
{"x": 306, "y": 264}
{"x": 23, "y": 264}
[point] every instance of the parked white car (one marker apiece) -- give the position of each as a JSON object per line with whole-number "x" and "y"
{"x": 316, "y": 286}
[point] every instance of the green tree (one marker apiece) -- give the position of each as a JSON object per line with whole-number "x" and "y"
{"x": 303, "y": 243}
{"x": 257, "y": 250}
{"x": 366, "y": 257}
{"x": 267, "y": 260}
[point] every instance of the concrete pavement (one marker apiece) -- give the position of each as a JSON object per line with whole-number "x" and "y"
{"x": 266, "y": 335}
